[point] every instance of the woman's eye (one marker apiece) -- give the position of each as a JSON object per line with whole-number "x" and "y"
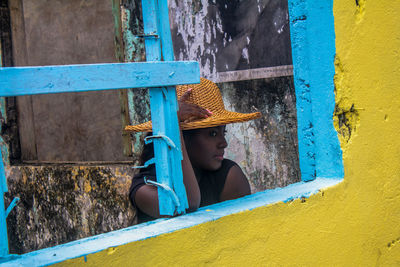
{"x": 213, "y": 133}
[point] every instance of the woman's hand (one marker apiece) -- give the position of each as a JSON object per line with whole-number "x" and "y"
{"x": 189, "y": 112}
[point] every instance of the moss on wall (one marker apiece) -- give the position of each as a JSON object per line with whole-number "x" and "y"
{"x": 64, "y": 203}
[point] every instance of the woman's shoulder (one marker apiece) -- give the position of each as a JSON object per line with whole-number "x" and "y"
{"x": 236, "y": 184}
{"x": 221, "y": 174}
{"x": 227, "y": 164}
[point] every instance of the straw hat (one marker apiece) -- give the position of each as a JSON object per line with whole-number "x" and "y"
{"x": 206, "y": 95}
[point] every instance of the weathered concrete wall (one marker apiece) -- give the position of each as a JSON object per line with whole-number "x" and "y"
{"x": 65, "y": 203}
{"x": 231, "y": 35}
{"x": 266, "y": 148}
{"x": 244, "y": 35}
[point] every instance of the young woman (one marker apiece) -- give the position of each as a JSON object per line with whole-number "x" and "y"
{"x": 208, "y": 177}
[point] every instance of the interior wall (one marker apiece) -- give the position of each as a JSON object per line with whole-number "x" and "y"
{"x": 67, "y": 127}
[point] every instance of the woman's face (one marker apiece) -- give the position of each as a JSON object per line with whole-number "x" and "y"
{"x": 206, "y": 147}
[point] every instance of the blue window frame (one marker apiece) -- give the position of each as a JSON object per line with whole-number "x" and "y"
{"x": 75, "y": 78}
{"x": 313, "y": 49}
{"x": 159, "y": 76}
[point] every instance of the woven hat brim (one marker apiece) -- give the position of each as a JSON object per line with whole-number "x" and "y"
{"x": 225, "y": 117}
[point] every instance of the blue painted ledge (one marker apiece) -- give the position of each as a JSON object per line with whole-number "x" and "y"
{"x": 101, "y": 242}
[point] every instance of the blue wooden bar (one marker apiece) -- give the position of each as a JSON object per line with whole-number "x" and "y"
{"x": 163, "y": 103}
{"x": 16, "y": 81}
{"x": 168, "y": 55}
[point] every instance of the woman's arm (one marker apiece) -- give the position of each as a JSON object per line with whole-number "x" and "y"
{"x": 146, "y": 197}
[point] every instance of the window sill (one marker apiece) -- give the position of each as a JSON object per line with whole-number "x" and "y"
{"x": 83, "y": 247}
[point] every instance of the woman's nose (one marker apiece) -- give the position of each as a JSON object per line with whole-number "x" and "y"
{"x": 222, "y": 142}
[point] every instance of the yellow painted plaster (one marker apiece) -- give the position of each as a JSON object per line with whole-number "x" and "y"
{"x": 356, "y": 223}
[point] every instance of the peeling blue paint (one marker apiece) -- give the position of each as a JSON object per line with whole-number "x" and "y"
{"x": 133, "y": 45}
{"x": 134, "y": 52}
{"x": 313, "y": 50}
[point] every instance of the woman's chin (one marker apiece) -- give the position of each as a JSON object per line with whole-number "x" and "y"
{"x": 214, "y": 166}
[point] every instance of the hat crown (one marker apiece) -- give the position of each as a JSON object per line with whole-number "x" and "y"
{"x": 206, "y": 94}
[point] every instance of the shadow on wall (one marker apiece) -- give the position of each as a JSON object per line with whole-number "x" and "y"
{"x": 265, "y": 148}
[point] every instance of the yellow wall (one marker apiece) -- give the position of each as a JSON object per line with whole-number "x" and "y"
{"x": 356, "y": 223}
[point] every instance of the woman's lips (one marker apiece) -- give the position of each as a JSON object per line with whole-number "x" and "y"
{"x": 219, "y": 157}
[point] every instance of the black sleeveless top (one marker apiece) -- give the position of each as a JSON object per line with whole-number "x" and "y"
{"x": 211, "y": 184}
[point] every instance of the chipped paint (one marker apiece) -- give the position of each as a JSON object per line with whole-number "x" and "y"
{"x": 360, "y": 10}
{"x": 352, "y": 224}
{"x": 346, "y": 117}
{"x": 134, "y": 51}
{"x": 191, "y": 25}
{"x": 224, "y": 36}
{"x": 120, "y": 56}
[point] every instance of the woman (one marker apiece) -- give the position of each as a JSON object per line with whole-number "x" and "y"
{"x": 208, "y": 177}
